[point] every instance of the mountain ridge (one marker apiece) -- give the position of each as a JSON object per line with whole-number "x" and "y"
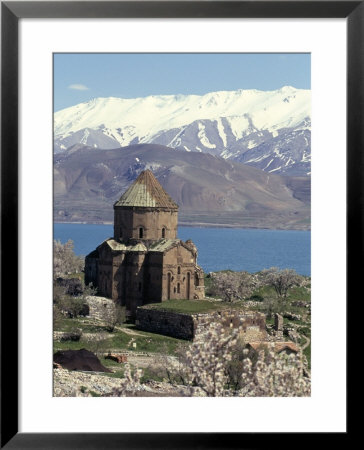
{"x": 269, "y": 130}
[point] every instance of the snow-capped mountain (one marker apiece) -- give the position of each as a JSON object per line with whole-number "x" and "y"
{"x": 269, "y": 130}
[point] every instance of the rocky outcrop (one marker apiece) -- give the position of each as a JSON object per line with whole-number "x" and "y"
{"x": 79, "y": 360}
{"x": 117, "y": 358}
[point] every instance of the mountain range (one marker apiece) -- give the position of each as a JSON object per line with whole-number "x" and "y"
{"x": 209, "y": 190}
{"x": 269, "y": 130}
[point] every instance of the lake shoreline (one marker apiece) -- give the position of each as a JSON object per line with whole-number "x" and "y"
{"x": 219, "y": 248}
{"x": 200, "y": 225}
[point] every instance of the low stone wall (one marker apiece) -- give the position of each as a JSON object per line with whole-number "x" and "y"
{"x": 184, "y": 326}
{"x": 173, "y": 324}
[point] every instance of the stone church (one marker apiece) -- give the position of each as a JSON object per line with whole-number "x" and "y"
{"x": 145, "y": 262}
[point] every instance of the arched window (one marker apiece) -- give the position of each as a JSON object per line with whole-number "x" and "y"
{"x": 163, "y": 232}
{"x": 178, "y": 288}
{"x": 179, "y": 270}
{"x": 141, "y": 233}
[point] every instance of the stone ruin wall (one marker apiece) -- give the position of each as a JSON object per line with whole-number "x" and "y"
{"x": 173, "y": 324}
{"x": 100, "y": 308}
{"x": 183, "y": 326}
{"x": 252, "y": 324}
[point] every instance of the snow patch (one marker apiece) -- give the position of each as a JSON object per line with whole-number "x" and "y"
{"x": 176, "y": 141}
{"x": 221, "y": 130}
{"x": 270, "y": 162}
{"x": 203, "y": 138}
{"x": 226, "y": 154}
{"x": 274, "y": 170}
{"x": 85, "y": 136}
{"x": 251, "y": 144}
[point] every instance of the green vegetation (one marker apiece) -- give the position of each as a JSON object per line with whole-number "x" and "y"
{"x": 269, "y": 291}
{"x": 124, "y": 337}
{"x": 85, "y": 324}
{"x": 149, "y": 374}
{"x": 79, "y": 275}
{"x": 307, "y": 353}
{"x": 95, "y": 394}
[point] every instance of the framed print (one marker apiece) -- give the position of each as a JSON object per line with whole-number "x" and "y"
{"x": 58, "y": 57}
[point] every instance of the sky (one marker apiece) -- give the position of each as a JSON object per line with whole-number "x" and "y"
{"x": 79, "y": 77}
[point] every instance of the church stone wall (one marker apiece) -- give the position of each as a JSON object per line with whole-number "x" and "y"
{"x": 128, "y": 221}
{"x": 179, "y": 281}
{"x": 123, "y": 223}
{"x": 153, "y": 277}
{"x": 91, "y": 269}
{"x": 104, "y": 280}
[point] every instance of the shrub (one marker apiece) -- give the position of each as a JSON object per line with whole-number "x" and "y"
{"x": 256, "y": 298}
{"x": 114, "y": 316}
{"x": 73, "y": 335}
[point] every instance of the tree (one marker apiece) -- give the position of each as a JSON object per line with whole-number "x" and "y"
{"x": 232, "y": 286}
{"x": 281, "y": 280}
{"x": 274, "y": 375}
{"x": 70, "y": 305}
{"x": 235, "y": 367}
{"x": 65, "y": 261}
{"x": 207, "y": 356}
{"x": 219, "y": 365}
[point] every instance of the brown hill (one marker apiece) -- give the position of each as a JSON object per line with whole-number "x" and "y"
{"x": 208, "y": 189}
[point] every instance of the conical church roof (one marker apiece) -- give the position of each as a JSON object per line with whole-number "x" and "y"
{"x": 146, "y": 191}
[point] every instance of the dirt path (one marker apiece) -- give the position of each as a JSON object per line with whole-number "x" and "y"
{"x": 307, "y": 343}
{"x": 143, "y": 361}
{"x": 130, "y": 332}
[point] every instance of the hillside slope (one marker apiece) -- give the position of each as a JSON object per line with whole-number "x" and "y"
{"x": 208, "y": 189}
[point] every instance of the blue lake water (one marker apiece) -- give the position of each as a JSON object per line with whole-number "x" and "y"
{"x": 218, "y": 248}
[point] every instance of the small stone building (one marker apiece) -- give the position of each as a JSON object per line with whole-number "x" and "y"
{"x": 144, "y": 262}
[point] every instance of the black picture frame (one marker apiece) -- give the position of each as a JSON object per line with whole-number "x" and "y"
{"x": 11, "y": 12}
